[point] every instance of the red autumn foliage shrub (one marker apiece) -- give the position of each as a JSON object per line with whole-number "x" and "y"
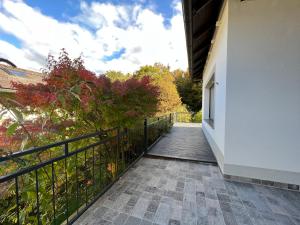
{"x": 73, "y": 101}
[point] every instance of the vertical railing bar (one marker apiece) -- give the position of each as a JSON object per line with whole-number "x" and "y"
{"x": 118, "y": 149}
{"x": 86, "y": 183}
{"x": 130, "y": 147}
{"x": 53, "y": 192}
{"x": 77, "y": 183}
{"x": 145, "y": 135}
{"x": 100, "y": 173}
{"x": 37, "y": 196}
{"x": 122, "y": 147}
{"x": 17, "y": 200}
{"x": 66, "y": 180}
{"x": 127, "y": 147}
{"x": 93, "y": 172}
{"x": 114, "y": 170}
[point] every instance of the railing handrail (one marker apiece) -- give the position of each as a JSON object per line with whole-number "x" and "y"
{"x": 52, "y": 145}
{"x": 117, "y": 159}
{"x": 56, "y": 144}
{"x": 59, "y": 143}
{"x": 52, "y": 160}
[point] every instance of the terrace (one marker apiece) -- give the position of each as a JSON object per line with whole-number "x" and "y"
{"x": 152, "y": 174}
{"x": 161, "y": 190}
{"x": 163, "y": 171}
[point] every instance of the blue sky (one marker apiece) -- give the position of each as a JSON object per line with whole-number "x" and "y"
{"x": 120, "y": 35}
{"x": 64, "y": 9}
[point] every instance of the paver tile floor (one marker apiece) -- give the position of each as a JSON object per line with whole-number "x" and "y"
{"x": 172, "y": 192}
{"x": 184, "y": 141}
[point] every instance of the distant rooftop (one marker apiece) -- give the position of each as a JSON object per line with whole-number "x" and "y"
{"x": 10, "y": 74}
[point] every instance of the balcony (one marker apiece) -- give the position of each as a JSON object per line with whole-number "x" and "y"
{"x": 184, "y": 191}
{"x": 117, "y": 181}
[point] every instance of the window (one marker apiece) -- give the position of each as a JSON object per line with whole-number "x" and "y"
{"x": 211, "y": 112}
{"x": 210, "y": 101}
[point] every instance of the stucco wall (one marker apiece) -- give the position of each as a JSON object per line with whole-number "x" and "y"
{"x": 263, "y": 90}
{"x": 217, "y": 65}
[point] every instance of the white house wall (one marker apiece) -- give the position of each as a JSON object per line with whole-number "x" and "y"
{"x": 262, "y": 133}
{"x": 217, "y": 65}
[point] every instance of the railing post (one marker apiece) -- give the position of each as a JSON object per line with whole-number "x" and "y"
{"x": 118, "y": 150}
{"x": 175, "y": 117}
{"x": 66, "y": 150}
{"x": 126, "y": 145}
{"x": 145, "y": 135}
{"x": 17, "y": 201}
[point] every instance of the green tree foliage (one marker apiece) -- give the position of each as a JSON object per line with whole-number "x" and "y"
{"x": 71, "y": 101}
{"x": 162, "y": 77}
{"x": 117, "y": 75}
{"x": 190, "y": 92}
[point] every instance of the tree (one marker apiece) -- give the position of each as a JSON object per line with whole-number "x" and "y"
{"x": 190, "y": 92}
{"x": 116, "y": 75}
{"x": 161, "y": 76}
{"x": 73, "y": 101}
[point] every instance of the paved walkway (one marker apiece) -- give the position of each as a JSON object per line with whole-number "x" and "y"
{"x": 168, "y": 192}
{"x": 185, "y": 141}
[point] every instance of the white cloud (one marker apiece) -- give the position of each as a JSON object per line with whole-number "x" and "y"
{"x": 99, "y": 30}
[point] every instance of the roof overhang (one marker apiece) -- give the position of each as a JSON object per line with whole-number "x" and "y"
{"x": 7, "y": 90}
{"x": 200, "y": 17}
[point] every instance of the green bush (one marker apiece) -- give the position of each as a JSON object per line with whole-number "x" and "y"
{"x": 197, "y": 118}
{"x": 185, "y": 117}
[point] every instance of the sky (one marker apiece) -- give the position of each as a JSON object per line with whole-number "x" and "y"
{"x": 109, "y": 34}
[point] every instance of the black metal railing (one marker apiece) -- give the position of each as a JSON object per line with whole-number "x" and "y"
{"x": 55, "y": 184}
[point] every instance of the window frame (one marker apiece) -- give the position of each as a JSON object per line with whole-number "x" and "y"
{"x": 211, "y": 91}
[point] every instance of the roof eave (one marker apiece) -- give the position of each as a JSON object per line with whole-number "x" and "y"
{"x": 187, "y": 18}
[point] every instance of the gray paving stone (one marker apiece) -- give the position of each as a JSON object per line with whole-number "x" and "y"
{"x": 138, "y": 199}
{"x": 153, "y": 205}
{"x": 140, "y": 208}
{"x": 296, "y": 220}
{"x": 156, "y": 197}
{"x": 225, "y": 207}
{"x": 229, "y": 218}
{"x": 100, "y": 222}
{"x": 223, "y": 198}
{"x": 241, "y": 215}
{"x": 149, "y": 215}
{"x": 120, "y": 219}
{"x": 127, "y": 209}
{"x": 180, "y": 184}
{"x": 176, "y": 212}
{"x": 145, "y": 222}
{"x": 132, "y": 201}
{"x": 174, "y": 222}
{"x": 215, "y": 216}
{"x": 110, "y": 215}
{"x": 100, "y": 211}
{"x": 283, "y": 220}
{"x": 187, "y": 141}
{"x": 188, "y": 217}
{"x": 202, "y": 221}
{"x": 133, "y": 221}
{"x": 121, "y": 201}
{"x": 163, "y": 214}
